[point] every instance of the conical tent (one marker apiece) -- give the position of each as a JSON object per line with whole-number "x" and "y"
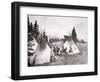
{"x": 70, "y": 47}
{"x": 42, "y": 54}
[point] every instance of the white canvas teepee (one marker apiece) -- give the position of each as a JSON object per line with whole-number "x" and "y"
{"x": 42, "y": 54}
{"x": 70, "y": 47}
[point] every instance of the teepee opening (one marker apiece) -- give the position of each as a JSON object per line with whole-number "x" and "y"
{"x": 71, "y": 47}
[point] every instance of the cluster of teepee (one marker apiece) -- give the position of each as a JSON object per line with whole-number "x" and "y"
{"x": 42, "y": 53}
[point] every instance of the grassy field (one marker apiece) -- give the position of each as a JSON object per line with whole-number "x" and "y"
{"x": 81, "y": 58}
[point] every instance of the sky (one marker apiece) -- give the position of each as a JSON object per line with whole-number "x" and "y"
{"x": 58, "y": 26}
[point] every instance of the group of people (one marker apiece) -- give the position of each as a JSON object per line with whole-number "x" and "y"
{"x": 57, "y": 50}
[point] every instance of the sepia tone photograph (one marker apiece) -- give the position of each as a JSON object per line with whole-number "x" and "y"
{"x": 56, "y": 40}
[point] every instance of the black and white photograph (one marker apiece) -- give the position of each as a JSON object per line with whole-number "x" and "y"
{"x": 57, "y": 40}
{"x": 53, "y": 40}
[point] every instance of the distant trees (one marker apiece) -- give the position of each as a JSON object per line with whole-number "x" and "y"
{"x": 30, "y": 29}
{"x": 33, "y": 30}
{"x": 30, "y": 26}
{"x": 36, "y": 31}
{"x": 74, "y": 35}
{"x": 51, "y": 40}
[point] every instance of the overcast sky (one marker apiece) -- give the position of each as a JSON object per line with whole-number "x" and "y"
{"x": 58, "y": 26}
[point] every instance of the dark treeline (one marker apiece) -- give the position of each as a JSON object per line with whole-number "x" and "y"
{"x": 33, "y": 30}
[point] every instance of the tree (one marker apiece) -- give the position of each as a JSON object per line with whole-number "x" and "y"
{"x": 36, "y": 32}
{"x": 28, "y": 23}
{"x": 30, "y": 26}
{"x": 74, "y": 35}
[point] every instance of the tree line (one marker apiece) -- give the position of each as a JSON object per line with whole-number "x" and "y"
{"x": 34, "y": 31}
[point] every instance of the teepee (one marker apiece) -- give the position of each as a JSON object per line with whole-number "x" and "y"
{"x": 70, "y": 47}
{"x": 42, "y": 54}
